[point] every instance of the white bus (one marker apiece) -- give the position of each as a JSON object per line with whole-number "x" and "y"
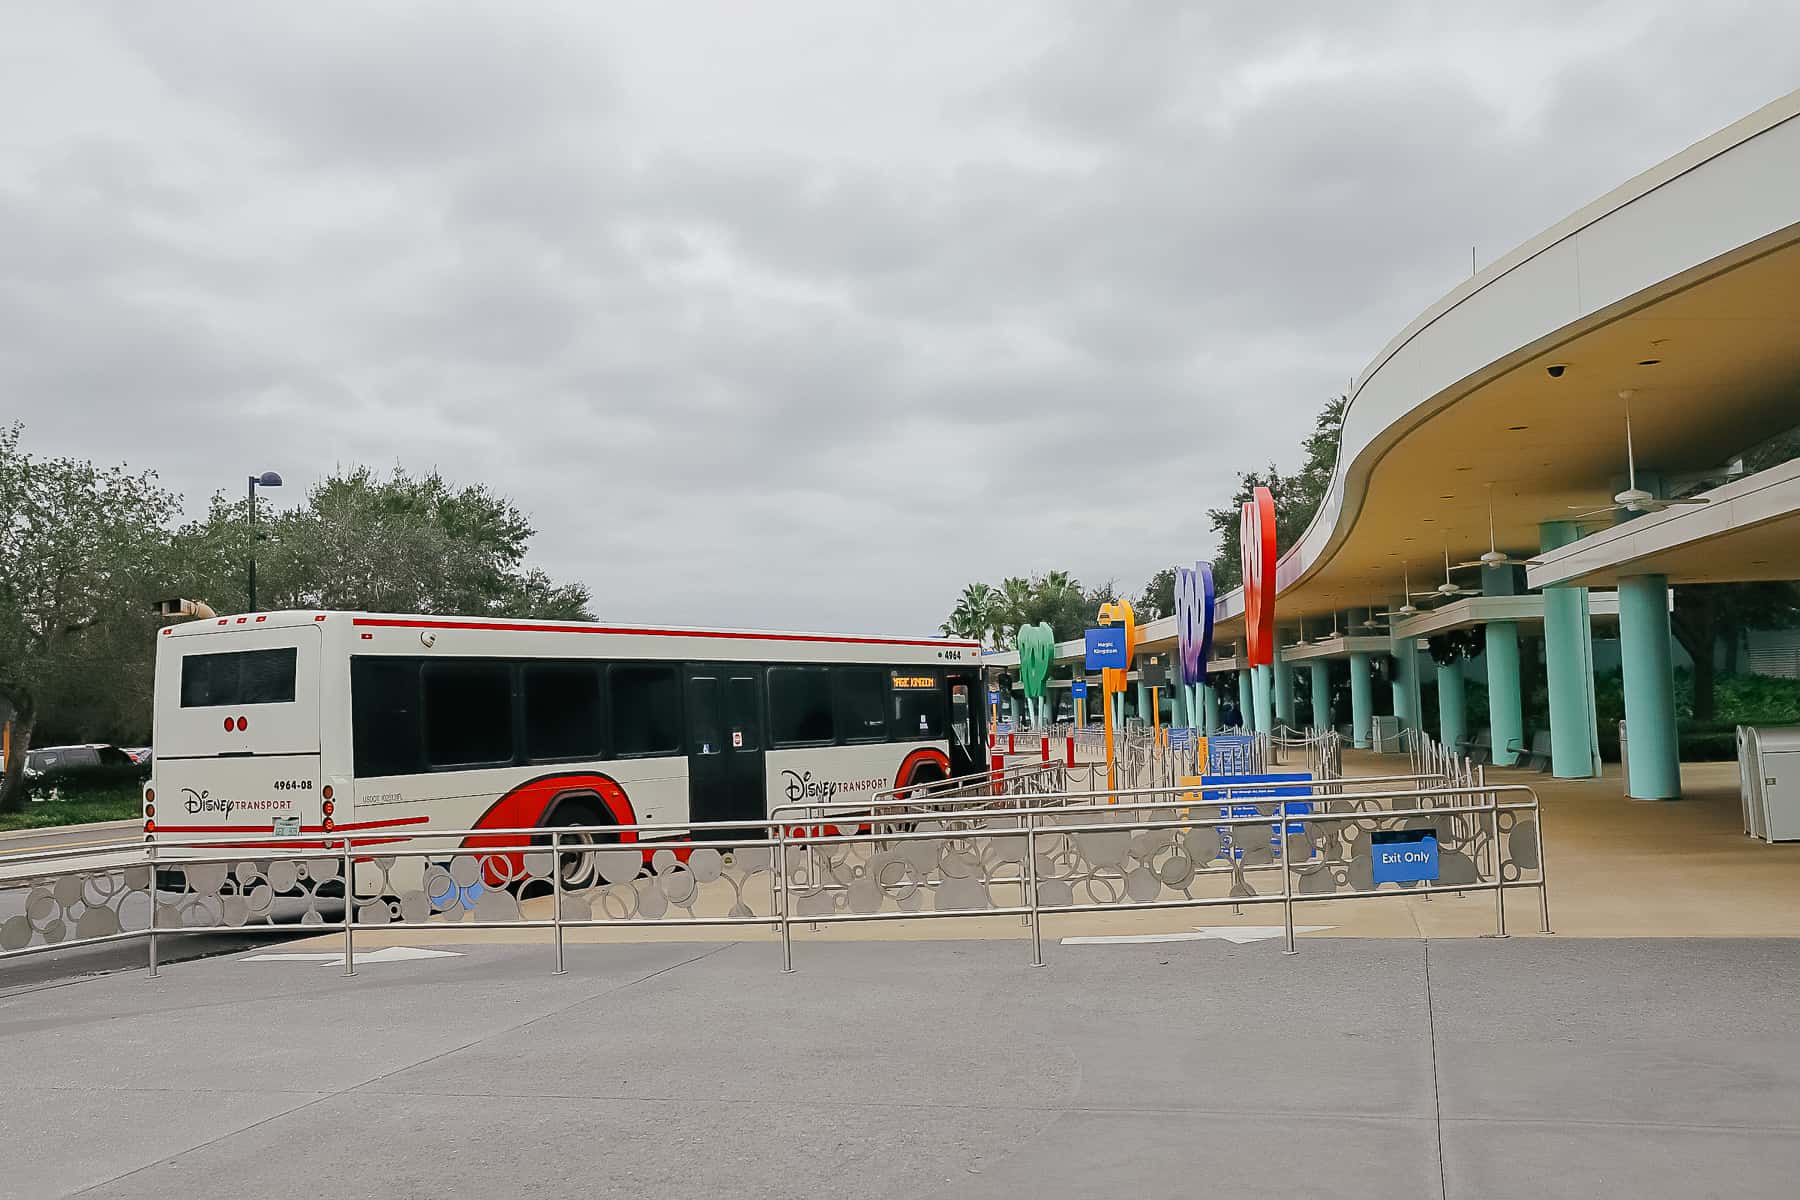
{"x": 289, "y": 726}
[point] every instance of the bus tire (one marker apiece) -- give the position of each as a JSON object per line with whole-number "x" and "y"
{"x": 578, "y": 868}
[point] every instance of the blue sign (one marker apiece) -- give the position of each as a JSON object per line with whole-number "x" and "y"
{"x": 1078, "y": 688}
{"x": 1405, "y": 855}
{"x": 1246, "y": 788}
{"x": 1106, "y": 648}
{"x": 993, "y": 695}
{"x": 1229, "y": 753}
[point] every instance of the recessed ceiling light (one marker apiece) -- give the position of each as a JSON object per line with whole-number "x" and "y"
{"x": 1465, "y": 468}
{"x": 1428, "y": 520}
{"x": 1648, "y": 362}
{"x": 1759, "y": 562}
{"x": 1516, "y": 428}
{"x": 1446, "y": 497}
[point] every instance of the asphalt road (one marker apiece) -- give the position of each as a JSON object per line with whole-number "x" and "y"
{"x": 1359, "y": 1069}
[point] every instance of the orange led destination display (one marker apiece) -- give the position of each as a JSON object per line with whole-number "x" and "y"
{"x": 914, "y": 682}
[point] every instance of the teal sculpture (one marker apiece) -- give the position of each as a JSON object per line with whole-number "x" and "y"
{"x": 1037, "y": 646}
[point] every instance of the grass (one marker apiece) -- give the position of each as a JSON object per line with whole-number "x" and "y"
{"x": 81, "y": 808}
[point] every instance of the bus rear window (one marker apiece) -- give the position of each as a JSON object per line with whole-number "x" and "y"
{"x": 238, "y": 677}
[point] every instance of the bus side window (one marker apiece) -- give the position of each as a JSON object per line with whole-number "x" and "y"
{"x": 861, "y": 703}
{"x": 918, "y": 708}
{"x": 384, "y": 715}
{"x": 800, "y": 706}
{"x": 468, "y": 712}
{"x": 645, "y": 701}
{"x": 562, "y": 710}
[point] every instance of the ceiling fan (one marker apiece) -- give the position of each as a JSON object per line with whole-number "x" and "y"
{"x": 1635, "y": 499}
{"x": 1333, "y": 635}
{"x": 1407, "y": 608}
{"x": 1449, "y": 587}
{"x": 1370, "y": 622}
{"x": 1493, "y": 557}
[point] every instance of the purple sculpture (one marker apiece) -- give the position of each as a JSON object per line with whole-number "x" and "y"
{"x": 1194, "y": 620}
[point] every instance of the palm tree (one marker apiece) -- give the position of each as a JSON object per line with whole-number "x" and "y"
{"x": 1014, "y": 604}
{"x": 974, "y": 614}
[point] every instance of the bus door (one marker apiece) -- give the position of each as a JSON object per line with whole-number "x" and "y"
{"x": 725, "y": 743}
{"x": 968, "y": 733}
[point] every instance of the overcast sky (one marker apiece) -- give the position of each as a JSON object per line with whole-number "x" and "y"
{"x": 791, "y": 314}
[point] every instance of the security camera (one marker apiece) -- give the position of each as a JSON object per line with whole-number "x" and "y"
{"x": 1555, "y": 370}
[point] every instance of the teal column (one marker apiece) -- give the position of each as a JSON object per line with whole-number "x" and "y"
{"x": 1652, "y": 745}
{"x": 1262, "y": 688}
{"x": 1506, "y": 712}
{"x": 1284, "y": 689}
{"x": 1143, "y": 702}
{"x": 1453, "y": 708}
{"x": 1321, "y": 693}
{"x": 1012, "y": 707}
{"x": 1177, "y": 705}
{"x": 1209, "y": 700}
{"x": 1362, "y": 700}
{"x": 1569, "y": 669}
{"x": 1246, "y": 706}
{"x": 1406, "y": 683}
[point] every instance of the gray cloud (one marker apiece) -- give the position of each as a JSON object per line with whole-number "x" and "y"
{"x": 804, "y": 316}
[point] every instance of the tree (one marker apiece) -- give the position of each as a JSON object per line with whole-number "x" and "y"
{"x": 78, "y": 545}
{"x": 1297, "y": 496}
{"x": 1055, "y": 598}
{"x": 1158, "y": 597}
{"x": 394, "y": 543}
{"x": 975, "y": 615}
{"x": 1704, "y": 612}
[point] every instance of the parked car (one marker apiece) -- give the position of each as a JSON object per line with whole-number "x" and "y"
{"x": 78, "y": 768}
{"x": 141, "y": 755}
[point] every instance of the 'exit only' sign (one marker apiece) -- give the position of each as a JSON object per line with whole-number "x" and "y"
{"x": 1405, "y": 855}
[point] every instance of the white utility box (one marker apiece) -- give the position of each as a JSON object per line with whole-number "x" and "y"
{"x": 1769, "y": 782}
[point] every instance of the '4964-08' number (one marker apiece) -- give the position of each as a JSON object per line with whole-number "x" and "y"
{"x": 293, "y": 785}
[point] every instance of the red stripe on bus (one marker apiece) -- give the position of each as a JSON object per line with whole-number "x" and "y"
{"x": 350, "y": 828}
{"x": 727, "y": 634}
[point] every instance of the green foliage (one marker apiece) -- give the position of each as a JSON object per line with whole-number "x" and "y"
{"x": 1158, "y": 597}
{"x": 393, "y": 543}
{"x": 1297, "y": 496}
{"x": 119, "y": 803}
{"x": 78, "y": 550}
{"x": 86, "y": 551}
{"x": 1055, "y": 598}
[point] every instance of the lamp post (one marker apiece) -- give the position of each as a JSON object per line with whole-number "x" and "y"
{"x": 266, "y": 479}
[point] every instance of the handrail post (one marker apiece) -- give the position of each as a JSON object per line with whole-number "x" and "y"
{"x": 1537, "y": 823}
{"x": 1494, "y": 851}
{"x": 1287, "y": 878}
{"x": 1031, "y": 888}
{"x": 350, "y": 909}
{"x": 556, "y": 895}
{"x": 787, "y": 941}
{"x": 152, "y": 895}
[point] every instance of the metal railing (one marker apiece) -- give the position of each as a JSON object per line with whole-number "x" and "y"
{"x": 1032, "y": 845}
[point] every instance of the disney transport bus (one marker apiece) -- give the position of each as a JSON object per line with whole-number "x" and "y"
{"x": 298, "y": 724}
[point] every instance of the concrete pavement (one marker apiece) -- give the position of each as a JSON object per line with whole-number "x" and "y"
{"x": 1359, "y": 1068}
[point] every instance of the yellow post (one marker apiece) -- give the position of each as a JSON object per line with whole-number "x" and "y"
{"x": 1156, "y": 716}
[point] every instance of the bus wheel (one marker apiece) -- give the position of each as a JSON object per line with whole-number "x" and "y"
{"x": 576, "y": 863}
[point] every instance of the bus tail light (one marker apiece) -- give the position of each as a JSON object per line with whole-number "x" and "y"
{"x": 330, "y": 824}
{"x": 329, "y": 808}
{"x": 149, "y": 826}
{"x": 149, "y": 810}
{"x": 149, "y": 795}
{"x": 327, "y": 792}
